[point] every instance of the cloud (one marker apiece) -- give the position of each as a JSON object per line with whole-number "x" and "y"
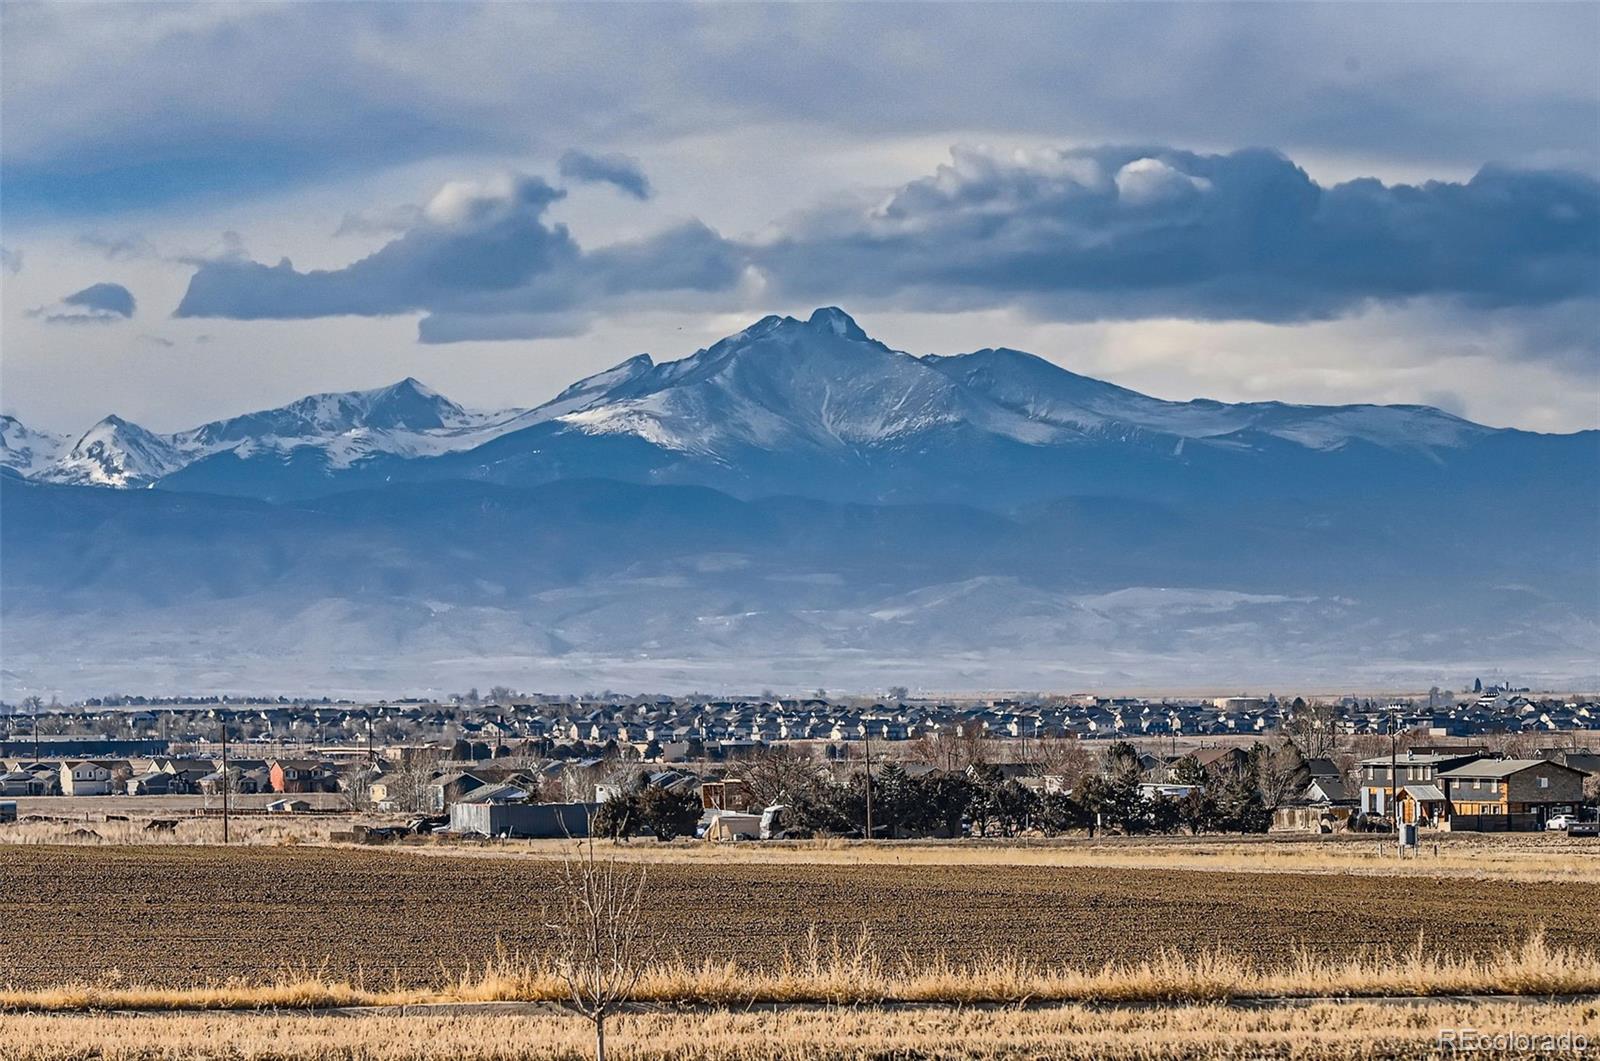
{"x": 620, "y": 171}
{"x": 10, "y": 261}
{"x": 128, "y": 247}
{"x": 1144, "y": 232}
{"x": 1110, "y": 233}
{"x": 102, "y": 303}
{"x": 112, "y": 107}
{"x": 483, "y": 262}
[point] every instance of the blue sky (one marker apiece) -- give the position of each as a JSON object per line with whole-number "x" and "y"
{"x": 212, "y": 209}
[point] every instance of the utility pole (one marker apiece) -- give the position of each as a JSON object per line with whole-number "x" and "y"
{"x": 1394, "y": 772}
{"x": 226, "y": 782}
{"x": 866, "y": 734}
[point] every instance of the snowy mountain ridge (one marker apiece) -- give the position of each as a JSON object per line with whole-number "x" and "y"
{"x": 406, "y": 419}
{"x": 25, "y": 450}
{"x": 817, "y": 389}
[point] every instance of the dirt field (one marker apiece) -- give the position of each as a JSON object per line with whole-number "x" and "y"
{"x": 177, "y": 915}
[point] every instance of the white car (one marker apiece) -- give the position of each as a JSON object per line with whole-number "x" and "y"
{"x": 1560, "y": 821}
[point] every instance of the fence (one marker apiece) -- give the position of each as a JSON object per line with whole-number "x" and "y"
{"x": 1495, "y": 823}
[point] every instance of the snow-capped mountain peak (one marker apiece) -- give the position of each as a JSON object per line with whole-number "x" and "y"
{"x": 407, "y": 406}
{"x": 838, "y": 322}
{"x": 25, "y": 450}
{"x": 783, "y": 384}
{"x": 116, "y": 452}
{"x": 818, "y": 392}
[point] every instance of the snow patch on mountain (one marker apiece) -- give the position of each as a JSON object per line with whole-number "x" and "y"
{"x": 1044, "y": 392}
{"x": 25, "y": 450}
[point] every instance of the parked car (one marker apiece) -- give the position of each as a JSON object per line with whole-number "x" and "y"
{"x": 1562, "y": 822}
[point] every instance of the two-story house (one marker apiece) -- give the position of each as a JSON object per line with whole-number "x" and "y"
{"x": 87, "y": 777}
{"x": 1509, "y": 793}
{"x": 1414, "y": 784}
{"x": 302, "y": 775}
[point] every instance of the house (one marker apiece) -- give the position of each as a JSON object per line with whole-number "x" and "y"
{"x": 87, "y": 777}
{"x": 1416, "y": 792}
{"x": 289, "y": 806}
{"x": 1509, "y": 794}
{"x": 302, "y": 775}
{"x": 447, "y": 789}
{"x": 154, "y": 783}
{"x": 500, "y": 792}
{"x": 1222, "y": 760}
{"x": 1328, "y": 791}
{"x": 28, "y": 783}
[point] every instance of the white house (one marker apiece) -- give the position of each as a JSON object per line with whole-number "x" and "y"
{"x": 85, "y": 778}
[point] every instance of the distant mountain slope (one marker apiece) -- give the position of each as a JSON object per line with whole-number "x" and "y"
{"x": 1045, "y": 392}
{"x": 587, "y": 583}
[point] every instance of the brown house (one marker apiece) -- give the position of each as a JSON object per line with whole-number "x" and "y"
{"x": 1497, "y": 794}
{"x": 302, "y": 775}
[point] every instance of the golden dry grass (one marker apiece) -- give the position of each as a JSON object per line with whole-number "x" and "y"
{"x": 246, "y": 831}
{"x": 1316, "y": 1031}
{"x": 1516, "y": 857}
{"x": 1552, "y": 857}
{"x": 837, "y": 973}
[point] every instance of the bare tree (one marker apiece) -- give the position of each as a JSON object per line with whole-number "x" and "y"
{"x": 779, "y": 774}
{"x": 408, "y": 785}
{"x": 356, "y": 781}
{"x": 1280, "y": 773}
{"x": 952, "y": 749}
{"x": 601, "y": 948}
{"x": 1314, "y": 727}
{"x": 1066, "y": 758}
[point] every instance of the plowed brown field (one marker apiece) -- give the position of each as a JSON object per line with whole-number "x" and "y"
{"x": 178, "y": 915}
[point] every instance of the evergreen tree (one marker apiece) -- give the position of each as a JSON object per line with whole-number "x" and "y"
{"x": 1239, "y": 804}
{"x": 617, "y": 817}
{"x": 668, "y": 814}
{"x": 1060, "y": 812}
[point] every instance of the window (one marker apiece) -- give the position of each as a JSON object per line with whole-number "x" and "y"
{"x": 1544, "y": 782}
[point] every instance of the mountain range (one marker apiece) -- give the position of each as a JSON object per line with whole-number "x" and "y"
{"x": 797, "y": 505}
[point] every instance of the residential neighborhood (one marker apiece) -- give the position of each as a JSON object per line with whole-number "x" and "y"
{"x": 1012, "y": 765}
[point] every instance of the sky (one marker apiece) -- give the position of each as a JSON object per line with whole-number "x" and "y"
{"x": 208, "y": 210}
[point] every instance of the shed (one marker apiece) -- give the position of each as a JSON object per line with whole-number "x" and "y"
{"x": 728, "y": 825}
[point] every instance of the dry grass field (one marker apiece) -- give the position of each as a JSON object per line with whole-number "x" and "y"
{"x": 1532, "y": 857}
{"x": 1551, "y": 856}
{"x": 1317, "y": 1031}
{"x": 178, "y": 915}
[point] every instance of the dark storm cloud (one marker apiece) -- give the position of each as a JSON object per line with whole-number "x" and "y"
{"x": 95, "y": 304}
{"x": 483, "y": 262}
{"x": 620, "y": 171}
{"x": 113, "y": 107}
{"x": 1156, "y": 232}
{"x": 1103, "y": 233}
